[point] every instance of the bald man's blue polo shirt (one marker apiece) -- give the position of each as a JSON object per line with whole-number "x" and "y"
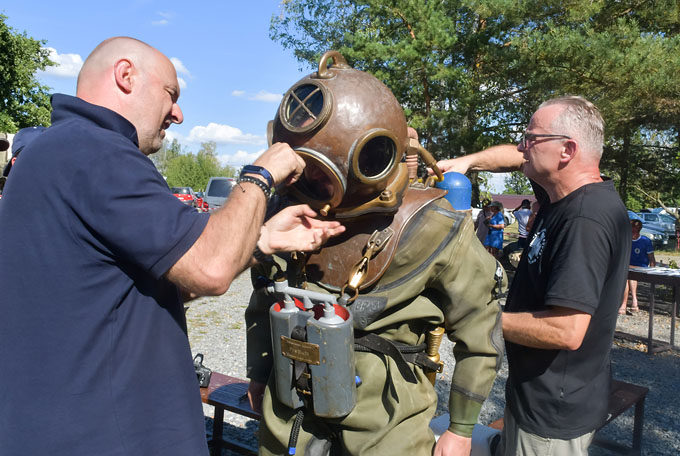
{"x": 94, "y": 353}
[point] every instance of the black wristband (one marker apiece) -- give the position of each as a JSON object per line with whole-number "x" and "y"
{"x": 261, "y": 257}
{"x": 260, "y": 171}
{"x": 253, "y": 180}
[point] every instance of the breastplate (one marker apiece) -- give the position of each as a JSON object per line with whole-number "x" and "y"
{"x": 330, "y": 266}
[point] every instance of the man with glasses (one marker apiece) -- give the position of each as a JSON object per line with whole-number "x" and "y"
{"x": 561, "y": 310}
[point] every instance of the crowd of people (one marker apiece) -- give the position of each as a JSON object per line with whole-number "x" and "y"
{"x": 95, "y": 274}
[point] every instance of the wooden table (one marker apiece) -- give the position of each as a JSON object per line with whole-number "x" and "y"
{"x": 227, "y": 393}
{"x": 654, "y": 276}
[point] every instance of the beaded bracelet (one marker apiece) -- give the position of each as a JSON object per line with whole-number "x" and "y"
{"x": 253, "y": 180}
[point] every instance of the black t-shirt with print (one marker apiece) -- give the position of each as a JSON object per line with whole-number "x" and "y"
{"x": 577, "y": 258}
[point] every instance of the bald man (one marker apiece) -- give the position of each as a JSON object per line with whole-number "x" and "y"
{"x": 95, "y": 251}
{"x": 561, "y": 310}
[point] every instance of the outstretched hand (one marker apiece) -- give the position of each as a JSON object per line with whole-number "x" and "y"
{"x": 450, "y": 444}
{"x": 458, "y": 165}
{"x": 296, "y": 229}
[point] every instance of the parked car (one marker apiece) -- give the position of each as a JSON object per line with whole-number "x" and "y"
{"x": 201, "y": 205}
{"x": 508, "y": 216}
{"x": 217, "y": 191}
{"x": 185, "y": 195}
{"x": 659, "y": 222}
{"x": 658, "y": 237}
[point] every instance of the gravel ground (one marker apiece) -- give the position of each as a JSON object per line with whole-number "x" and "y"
{"x": 217, "y": 329}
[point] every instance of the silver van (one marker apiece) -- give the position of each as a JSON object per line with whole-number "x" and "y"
{"x": 217, "y": 191}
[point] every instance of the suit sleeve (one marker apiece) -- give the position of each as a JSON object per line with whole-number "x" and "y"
{"x": 469, "y": 283}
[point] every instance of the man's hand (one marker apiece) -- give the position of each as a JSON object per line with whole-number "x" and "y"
{"x": 255, "y": 395}
{"x": 282, "y": 162}
{"x": 458, "y": 165}
{"x": 450, "y": 444}
{"x": 496, "y": 159}
{"x": 296, "y": 229}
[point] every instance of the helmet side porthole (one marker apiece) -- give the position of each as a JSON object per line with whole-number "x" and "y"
{"x": 375, "y": 156}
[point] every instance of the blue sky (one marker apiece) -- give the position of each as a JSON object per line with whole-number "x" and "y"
{"x": 232, "y": 75}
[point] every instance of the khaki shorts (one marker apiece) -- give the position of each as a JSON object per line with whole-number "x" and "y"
{"x": 516, "y": 442}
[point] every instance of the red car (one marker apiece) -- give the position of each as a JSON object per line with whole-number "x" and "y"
{"x": 185, "y": 195}
{"x": 201, "y": 204}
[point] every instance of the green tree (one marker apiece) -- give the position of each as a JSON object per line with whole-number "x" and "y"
{"x": 23, "y": 101}
{"x": 469, "y": 73}
{"x": 167, "y": 152}
{"x": 516, "y": 183}
{"x": 193, "y": 170}
{"x": 434, "y": 56}
{"x": 623, "y": 55}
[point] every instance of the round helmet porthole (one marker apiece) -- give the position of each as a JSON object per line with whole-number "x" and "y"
{"x": 305, "y": 107}
{"x": 375, "y": 156}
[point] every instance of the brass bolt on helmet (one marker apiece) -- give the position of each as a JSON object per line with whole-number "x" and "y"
{"x": 351, "y": 131}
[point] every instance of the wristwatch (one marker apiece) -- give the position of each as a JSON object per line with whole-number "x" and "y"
{"x": 259, "y": 170}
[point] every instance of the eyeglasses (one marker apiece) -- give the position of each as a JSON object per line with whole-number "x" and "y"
{"x": 526, "y": 137}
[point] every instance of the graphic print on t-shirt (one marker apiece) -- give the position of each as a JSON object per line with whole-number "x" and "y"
{"x": 536, "y": 246}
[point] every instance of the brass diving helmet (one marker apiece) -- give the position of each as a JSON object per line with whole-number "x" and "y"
{"x": 352, "y": 133}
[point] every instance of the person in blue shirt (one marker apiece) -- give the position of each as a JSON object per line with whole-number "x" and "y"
{"x": 641, "y": 255}
{"x": 96, "y": 256}
{"x": 496, "y": 223}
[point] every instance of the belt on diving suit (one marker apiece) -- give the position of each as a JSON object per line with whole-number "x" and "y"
{"x": 401, "y": 353}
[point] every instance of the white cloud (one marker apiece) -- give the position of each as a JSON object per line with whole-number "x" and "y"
{"x": 267, "y": 97}
{"x": 179, "y": 66}
{"x": 262, "y": 95}
{"x": 166, "y": 16}
{"x": 67, "y": 65}
{"x": 170, "y": 135}
{"x": 182, "y": 83}
{"x": 239, "y": 158}
{"x": 223, "y": 134}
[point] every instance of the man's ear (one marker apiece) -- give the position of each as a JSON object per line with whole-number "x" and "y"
{"x": 569, "y": 151}
{"x": 122, "y": 71}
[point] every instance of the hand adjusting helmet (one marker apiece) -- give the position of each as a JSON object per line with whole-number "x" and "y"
{"x": 351, "y": 131}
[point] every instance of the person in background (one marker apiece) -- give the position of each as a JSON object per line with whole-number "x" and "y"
{"x": 642, "y": 256}
{"x": 97, "y": 255}
{"x": 522, "y": 214}
{"x": 561, "y": 310}
{"x": 4, "y": 145}
{"x": 481, "y": 223}
{"x": 495, "y": 223}
{"x": 21, "y": 139}
{"x": 4, "y": 142}
{"x": 535, "y": 206}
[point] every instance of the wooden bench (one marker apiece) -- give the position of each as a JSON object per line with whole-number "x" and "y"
{"x": 622, "y": 397}
{"x": 230, "y": 394}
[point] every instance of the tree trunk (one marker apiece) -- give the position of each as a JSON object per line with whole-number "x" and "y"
{"x": 625, "y": 164}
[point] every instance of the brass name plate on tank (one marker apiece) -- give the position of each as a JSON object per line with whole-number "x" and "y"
{"x": 300, "y": 351}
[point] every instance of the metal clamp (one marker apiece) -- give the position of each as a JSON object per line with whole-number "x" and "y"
{"x": 357, "y": 274}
